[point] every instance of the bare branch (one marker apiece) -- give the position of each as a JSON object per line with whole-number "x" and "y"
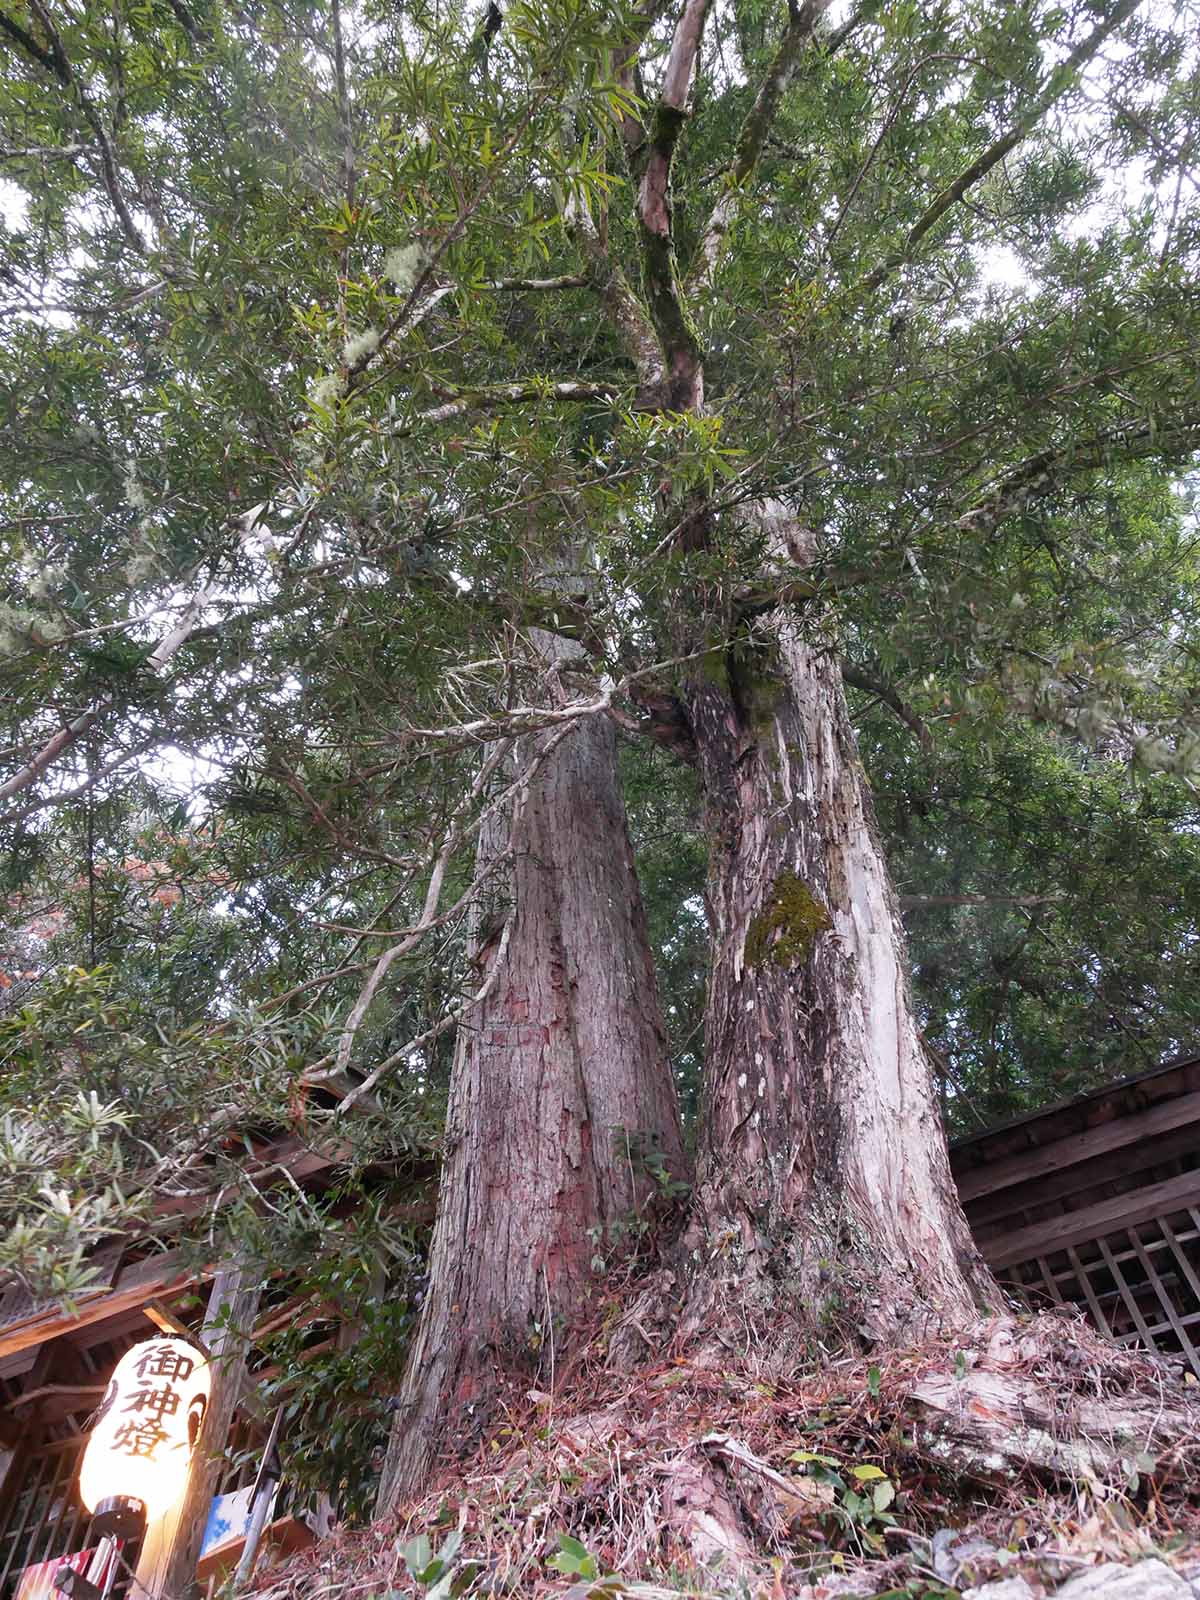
{"x": 529, "y": 719}
{"x": 499, "y": 395}
{"x": 685, "y": 46}
{"x": 168, "y": 646}
{"x": 81, "y": 789}
{"x": 443, "y": 1025}
{"x": 453, "y": 837}
{"x": 41, "y": 152}
{"x": 933, "y": 902}
{"x": 519, "y": 792}
{"x": 568, "y": 280}
{"x": 853, "y": 23}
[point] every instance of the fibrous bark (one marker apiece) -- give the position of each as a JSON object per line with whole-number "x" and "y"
{"x": 823, "y": 1187}
{"x": 561, "y": 1104}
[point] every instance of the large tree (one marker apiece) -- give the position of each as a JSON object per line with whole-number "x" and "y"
{"x": 329, "y": 335}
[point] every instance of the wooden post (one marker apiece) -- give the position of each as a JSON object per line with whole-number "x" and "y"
{"x": 166, "y": 1568}
{"x": 10, "y": 1451}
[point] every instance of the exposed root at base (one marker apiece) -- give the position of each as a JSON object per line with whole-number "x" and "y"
{"x": 1049, "y": 1395}
{"x": 1032, "y": 1434}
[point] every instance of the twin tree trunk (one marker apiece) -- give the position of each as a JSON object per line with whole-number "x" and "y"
{"x": 823, "y": 1200}
{"x": 823, "y": 1193}
{"x": 561, "y": 1105}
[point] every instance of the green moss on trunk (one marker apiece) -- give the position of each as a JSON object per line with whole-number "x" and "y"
{"x": 785, "y": 930}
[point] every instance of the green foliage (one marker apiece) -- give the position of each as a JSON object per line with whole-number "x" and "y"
{"x": 573, "y": 1559}
{"x": 436, "y": 1575}
{"x": 243, "y": 366}
{"x": 351, "y": 1287}
{"x": 860, "y": 1508}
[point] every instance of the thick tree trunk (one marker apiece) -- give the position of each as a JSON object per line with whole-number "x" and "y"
{"x": 823, "y": 1190}
{"x": 560, "y": 1091}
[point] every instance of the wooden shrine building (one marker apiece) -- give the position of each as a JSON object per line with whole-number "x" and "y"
{"x": 1095, "y": 1203}
{"x": 54, "y": 1369}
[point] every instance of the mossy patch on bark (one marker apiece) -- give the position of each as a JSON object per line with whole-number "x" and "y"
{"x": 785, "y": 930}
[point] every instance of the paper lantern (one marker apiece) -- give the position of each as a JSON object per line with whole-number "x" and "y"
{"x": 141, "y": 1445}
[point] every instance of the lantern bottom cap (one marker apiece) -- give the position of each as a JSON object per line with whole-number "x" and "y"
{"x": 120, "y": 1516}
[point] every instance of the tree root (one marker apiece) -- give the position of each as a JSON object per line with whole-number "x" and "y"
{"x": 1050, "y": 1396}
{"x": 699, "y": 1512}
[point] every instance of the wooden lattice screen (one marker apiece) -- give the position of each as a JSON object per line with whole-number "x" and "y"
{"x": 43, "y": 1517}
{"x": 1139, "y": 1285}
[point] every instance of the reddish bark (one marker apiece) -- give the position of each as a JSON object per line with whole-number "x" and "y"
{"x": 560, "y": 1085}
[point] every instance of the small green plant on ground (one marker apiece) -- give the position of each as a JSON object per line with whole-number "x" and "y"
{"x": 436, "y": 1574}
{"x": 862, "y": 1506}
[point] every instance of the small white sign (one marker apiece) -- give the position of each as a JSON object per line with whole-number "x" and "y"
{"x": 229, "y": 1519}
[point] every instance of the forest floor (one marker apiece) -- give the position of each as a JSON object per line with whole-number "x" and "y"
{"x": 715, "y": 1479}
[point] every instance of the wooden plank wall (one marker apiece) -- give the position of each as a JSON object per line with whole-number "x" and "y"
{"x": 1096, "y": 1204}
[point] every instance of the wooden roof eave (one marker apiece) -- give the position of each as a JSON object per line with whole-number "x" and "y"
{"x": 150, "y": 1278}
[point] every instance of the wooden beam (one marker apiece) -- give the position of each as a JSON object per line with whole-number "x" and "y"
{"x": 156, "y": 1275}
{"x": 1064, "y": 1117}
{"x": 165, "y": 1320}
{"x": 1042, "y": 1159}
{"x": 988, "y": 1211}
{"x": 81, "y": 1391}
{"x": 1093, "y": 1222}
{"x": 291, "y": 1155}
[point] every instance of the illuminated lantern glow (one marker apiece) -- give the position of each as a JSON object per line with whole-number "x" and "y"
{"x": 140, "y": 1447}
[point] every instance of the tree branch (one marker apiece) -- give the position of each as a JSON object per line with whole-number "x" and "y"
{"x": 627, "y": 314}
{"x": 429, "y": 912}
{"x": 1039, "y": 473}
{"x": 95, "y": 778}
{"x": 497, "y": 396}
{"x": 43, "y": 152}
{"x": 29, "y": 44}
{"x": 884, "y": 692}
{"x": 801, "y": 28}
{"x": 168, "y": 646}
{"x": 568, "y": 280}
{"x": 1059, "y": 82}
{"x": 531, "y": 719}
{"x": 416, "y": 305}
{"x": 53, "y": 58}
{"x": 932, "y": 902}
{"x": 173, "y": 641}
{"x": 668, "y": 311}
{"x": 345, "y": 125}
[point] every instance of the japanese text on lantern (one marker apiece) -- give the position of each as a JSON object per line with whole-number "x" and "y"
{"x": 153, "y": 1400}
{"x": 146, "y": 1429}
